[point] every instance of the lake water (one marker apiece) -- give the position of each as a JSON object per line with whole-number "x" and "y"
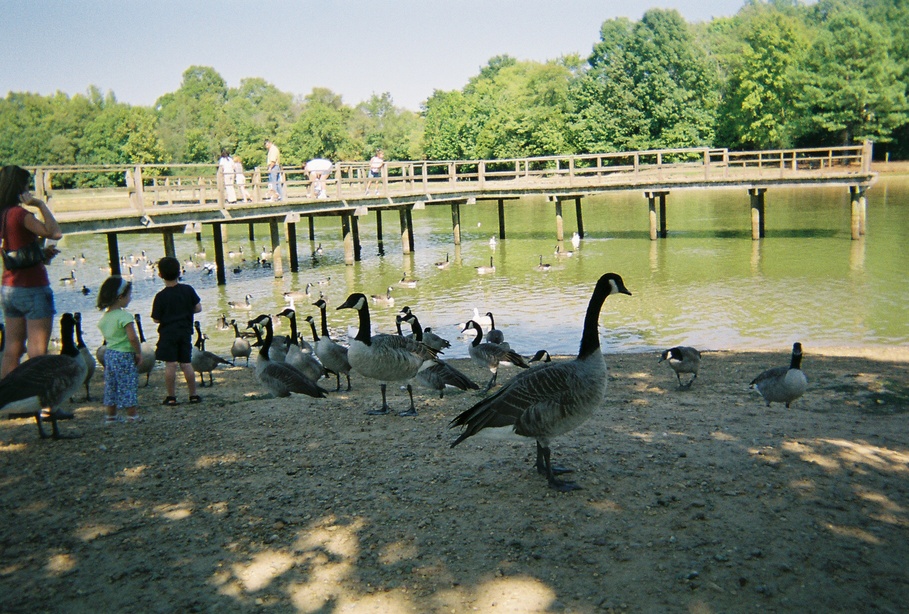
{"x": 707, "y": 285}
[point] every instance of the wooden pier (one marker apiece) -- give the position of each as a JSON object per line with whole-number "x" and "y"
{"x": 169, "y": 199}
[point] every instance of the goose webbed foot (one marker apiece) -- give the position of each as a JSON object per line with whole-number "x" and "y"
{"x": 408, "y": 412}
{"x": 544, "y": 466}
{"x": 385, "y": 409}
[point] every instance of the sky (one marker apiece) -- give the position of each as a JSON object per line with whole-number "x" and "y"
{"x": 355, "y": 48}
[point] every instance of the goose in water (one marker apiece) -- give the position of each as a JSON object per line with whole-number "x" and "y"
{"x": 407, "y": 282}
{"x": 387, "y": 358}
{"x": 45, "y": 382}
{"x": 543, "y": 266}
{"x": 494, "y": 335}
{"x": 280, "y": 379}
{"x": 683, "y": 359}
{"x": 240, "y": 348}
{"x": 86, "y": 355}
{"x": 246, "y": 305}
{"x": 491, "y": 355}
{"x": 148, "y": 361}
{"x": 783, "y": 384}
{"x": 71, "y": 279}
{"x": 486, "y": 270}
{"x": 440, "y": 375}
{"x": 561, "y": 253}
{"x": 551, "y": 399}
{"x": 384, "y": 299}
{"x": 295, "y": 356}
{"x": 204, "y": 361}
{"x": 333, "y": 355}
{"x": 444, "y": 263}
{"x": 439, "y": 344}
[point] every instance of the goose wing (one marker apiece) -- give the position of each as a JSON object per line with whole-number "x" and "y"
{"x": 52, "y": 378}
{"x": 769, "y": 374}
{"x": 281, "y": 380}
{"x": 541, "y": 402}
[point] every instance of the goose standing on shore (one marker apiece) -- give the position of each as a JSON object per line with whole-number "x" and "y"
{"x": 280, "y": 379}
{"x": 297, "y": 356}
{"x": 86, "y": 355}
{"x": 683, "y": 359}
{"x": 783, "y": 384}
{"x": 440, "y": 375}
{"x": 240, "y": 348}
{"x": 551, "y": 399}
{"x": 491, "y": 355}
{"x": 43, "y": 383}
{"x": 148, "y": 361}
{"x": 204, "y": 361}
{"x": 387, "y": 358}
{"x": 332, "y": 354}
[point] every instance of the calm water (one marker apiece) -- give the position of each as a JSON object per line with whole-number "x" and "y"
{"x": 708, "y": 284}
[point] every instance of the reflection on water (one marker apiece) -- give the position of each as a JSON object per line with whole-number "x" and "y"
{"x": 708, "y": 284}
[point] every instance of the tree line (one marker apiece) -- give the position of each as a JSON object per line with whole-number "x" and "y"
{"x": 778, "y": 74}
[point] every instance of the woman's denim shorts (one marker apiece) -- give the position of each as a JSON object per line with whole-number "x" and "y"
{"x": 29, "y": 303}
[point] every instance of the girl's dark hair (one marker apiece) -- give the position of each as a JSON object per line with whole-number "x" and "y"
{"x": 14, "y": 180}
{"x": 224, "y": 153}
{"x": 108, "y": 294}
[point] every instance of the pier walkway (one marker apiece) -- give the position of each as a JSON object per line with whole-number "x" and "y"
{"x": 169, "y": 199}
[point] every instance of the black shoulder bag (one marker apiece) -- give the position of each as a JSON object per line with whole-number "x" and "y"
{"x": 24, "y": 257}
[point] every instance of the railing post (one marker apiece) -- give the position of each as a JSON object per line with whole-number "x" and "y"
{"x": 452, "y": 173}
{"x": 140, "y": 193}
{"x": 481, "y": 174}
{"x": 257, "y": 184}
{"x": 571, "y": 171}
{"x": 867, "y": 153}
{"x": 425, "y": 178}
{"x": 220, "y": 180}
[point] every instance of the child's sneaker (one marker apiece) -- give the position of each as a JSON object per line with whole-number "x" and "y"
{"x": 108, "y": 420}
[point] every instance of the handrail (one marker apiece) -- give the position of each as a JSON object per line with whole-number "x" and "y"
{"x": 145, "y": 188}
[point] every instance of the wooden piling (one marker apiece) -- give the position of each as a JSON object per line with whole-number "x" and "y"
{"x": 757, "y": 212}
{"x": 292, "y": 247}
{"x": 406, "y": 240}
{"x": 381, "y": 241}
{"x": 855, "y": 195}
{"x": 579, "y": 216}
{"x": 277, "y": 265}
{"x": 456, "y": 222}
{"x": 170, "y": 248}
{"x": 501, "y": 218}
{"x": 355, "y": 234}
{"x": 113, "y": 252}
{"x": 347, "y": 239}
{"x": 651, "y": 206}
{"x": 219, "y": 252}
{"x": 560, "y": 228}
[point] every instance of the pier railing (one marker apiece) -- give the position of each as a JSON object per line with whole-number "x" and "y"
{"x": 83, "y": 194}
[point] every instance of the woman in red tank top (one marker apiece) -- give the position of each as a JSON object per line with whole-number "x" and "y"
{"x": 26, "y": 295}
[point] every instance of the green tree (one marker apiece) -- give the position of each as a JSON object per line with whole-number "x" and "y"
{"x": 851, "y": 87}
{"x": 759, "y": 95}
{"x": 191, "y": 121}
{"x": 444, "y": 119}
{"x": 321, "y": 129}
{"x": 378, "y": 124}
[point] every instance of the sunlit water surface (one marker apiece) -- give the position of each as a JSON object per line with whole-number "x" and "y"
{"x": 707, "y": 285}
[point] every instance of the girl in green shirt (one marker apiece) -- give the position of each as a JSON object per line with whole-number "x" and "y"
{"x": 121, "y": 377}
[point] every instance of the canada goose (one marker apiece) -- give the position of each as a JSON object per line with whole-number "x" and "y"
{"x": 384, "y": 299}
{"x": 543, "y": 266}
{"x": 318, "y": 251}
{"x": 783, "y": 384}
{"x": 441, "y": 374}
{"x": 444, "y": 263}
{"x": 71, "y": 279}
{"x": 69, "y": 261}
{"x": 542, "y": 357}
{"x": 561, "y": 253}
{"x": 85, "y": 290}
{"x": 494, "y": 335}
{"x": 486, "y": 270}
{"x": 147, "y": 352}
{"x": 305, "y": 361}
{"x": 551, "y": 399}
{"x": 332, "y": 354}
{"x": 204, "y": 361}
{"x": 387, "y": 358}
{"x": 280, "y": 379}
{"x": 86, "y": 355}
{"x": 246, "y": 305}
{"x": 222, "y": 323}
{"x": 100, "y": 352}
{"x": 431, "y": 339}
{"x": 240, "y": 348}
{"x": 298, "y": 295}
{"x": 683, "y": 359}
{"x": 407, "y": 282}
{"x": 491, "y": 355}
{"x": 45, "y": 382}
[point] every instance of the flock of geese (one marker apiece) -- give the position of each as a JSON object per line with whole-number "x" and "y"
{"x": 545, "y": 400}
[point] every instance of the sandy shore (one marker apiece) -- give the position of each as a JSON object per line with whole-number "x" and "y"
{"x": 693, "y": 501}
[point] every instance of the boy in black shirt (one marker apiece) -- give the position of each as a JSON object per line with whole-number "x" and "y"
{"x": 173, "y": 310}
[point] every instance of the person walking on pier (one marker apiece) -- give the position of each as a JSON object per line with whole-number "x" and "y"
{"x": 26, "y": 295}
{"x": 240, "y": 179}
{"x": 273, "y": 163}
{"x": 375, "y": 170}
{"x": 226, "y": 167}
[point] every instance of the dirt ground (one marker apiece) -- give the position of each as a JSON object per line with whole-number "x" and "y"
{"x": 693, "y": 501}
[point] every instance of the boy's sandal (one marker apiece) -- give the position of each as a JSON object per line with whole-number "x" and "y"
{"x": 170, "y": 401}
{"x": 195, "y": 398}
{"x": 136, "y": 418}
